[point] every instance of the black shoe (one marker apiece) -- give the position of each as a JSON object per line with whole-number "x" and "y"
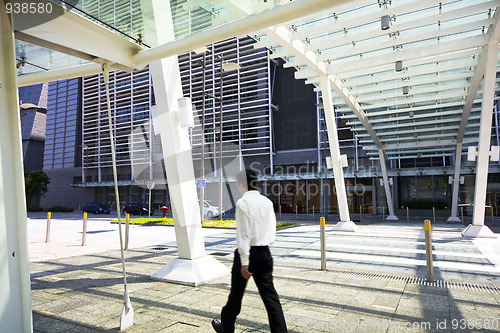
{"x": 217, "y": 325}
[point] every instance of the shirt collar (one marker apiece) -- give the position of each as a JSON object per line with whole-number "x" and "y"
{"x": 251, "y": 192}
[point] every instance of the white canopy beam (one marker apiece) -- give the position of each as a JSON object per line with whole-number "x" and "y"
{"x": 420, "y": 38}
{"x": 392, "y": 216}
{"x": 399, "y": 26}
{"x": 284, "y": 37}
{"x": 192, "y": 267}
{"x": 340, "y": 23}
{"x": 409, "y": 54}
{"x": 75, "y": 35}
{"x": 477, "y": 228}
{"x": 59, "y": 74}
{"x": 15, "y": 286}
{"x": 256, "y": 22}
{"x": 345, "y": 223}
{"x": 479, "y": 71}
{"x": 402, "y": 139}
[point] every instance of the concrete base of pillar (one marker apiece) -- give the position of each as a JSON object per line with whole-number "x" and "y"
{"x": 478, "y": 231}
{"x": 392, "y": 218}
{"x": 453, "y": 219}
{"x": 345, "y": 226}
{"x": 193, "y": 272}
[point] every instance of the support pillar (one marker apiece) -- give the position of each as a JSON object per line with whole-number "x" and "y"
{"x": 192, "y": 267}
{"x": 345, "y": 223}
{"x": 15, "y": 287}
{"x": 387, "y": 188}
{"x": 477, "y": 228}
{"x": 456, "y": 182}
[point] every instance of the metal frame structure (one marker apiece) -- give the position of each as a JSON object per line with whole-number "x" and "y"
{"x": 337, "y": 45}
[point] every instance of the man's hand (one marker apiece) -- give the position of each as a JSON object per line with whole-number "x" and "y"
{"x": 245, "y": 272}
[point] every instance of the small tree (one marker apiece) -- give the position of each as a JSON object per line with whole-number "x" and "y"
{"x": 36, "y": 184}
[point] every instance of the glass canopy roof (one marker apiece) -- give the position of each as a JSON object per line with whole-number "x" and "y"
{"x": 409, "y": 80}
{"x": 127, "y": 19}
{"x": 404, "y": 73}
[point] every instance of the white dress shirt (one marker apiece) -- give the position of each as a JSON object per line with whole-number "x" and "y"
{"x": 255, "y": 223}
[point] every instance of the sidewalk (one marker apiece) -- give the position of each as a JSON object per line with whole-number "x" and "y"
{"x": 375, "y": 282}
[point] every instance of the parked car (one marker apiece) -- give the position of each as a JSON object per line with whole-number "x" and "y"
{"x": 210, "y": 210}
{"x": 96, "y": 208}
{"x": 137, "y": 209}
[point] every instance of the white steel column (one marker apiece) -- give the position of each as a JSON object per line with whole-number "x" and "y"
{"x": 456, "y": 182}
{"x": 193, "y": 267}
{"x": 15, "y": 302}
{"x": 388, "y": 196}
{"x": 477, "y": 228}
{"x": 345, "y": 223}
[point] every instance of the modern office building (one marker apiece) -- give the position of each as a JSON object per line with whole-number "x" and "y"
{"x": 33, "y": 106}
{"x": 406, "y": 90}
{"x": 272, "y": 122}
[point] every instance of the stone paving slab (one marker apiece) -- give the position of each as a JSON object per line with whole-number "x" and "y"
{"x": 85, "y": 294}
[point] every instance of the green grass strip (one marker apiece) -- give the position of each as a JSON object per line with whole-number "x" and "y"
{"x": 206, "y": 223}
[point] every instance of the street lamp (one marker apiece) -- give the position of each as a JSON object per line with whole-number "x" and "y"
{"x": 203, "y": 50}
{"x": 84, "y": 166}
{"x": 224, "y": 67}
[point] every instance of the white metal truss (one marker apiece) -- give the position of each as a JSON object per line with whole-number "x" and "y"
{"x": 77, "y": 36}
{"x": 441, "y": 71}
{"x": 438, "y": 42}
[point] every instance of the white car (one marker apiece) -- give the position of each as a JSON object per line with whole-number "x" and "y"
{"x": 210, "y": 210}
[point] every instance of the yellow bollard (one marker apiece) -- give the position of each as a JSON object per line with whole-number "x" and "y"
{"x": 323, "y": 245}
{"x": 428, "y": 250}
{"x": 84, "y": 232}
{"x": 47, "y": 233}
{"x": 127, "y": 220}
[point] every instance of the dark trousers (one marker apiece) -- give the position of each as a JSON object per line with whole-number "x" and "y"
{"x": 261, "y": 267}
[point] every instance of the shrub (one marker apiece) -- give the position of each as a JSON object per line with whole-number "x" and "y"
{"x": 420, "y": 204}
{"x": 35, "y": 209}
{"x": 60, "y": 209}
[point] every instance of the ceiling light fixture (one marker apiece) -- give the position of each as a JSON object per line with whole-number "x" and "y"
{"x": 385, "y": 22}
{"x": 399, "y": 66}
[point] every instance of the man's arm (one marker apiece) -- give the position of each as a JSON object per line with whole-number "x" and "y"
{"x": 243, "y": 234}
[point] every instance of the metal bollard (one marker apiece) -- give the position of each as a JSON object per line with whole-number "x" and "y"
{"x": 313, "y": 212}
{"x": 360, "y": 213}
{"x": 280, "y": 212}
{"x": 323, "y": 245}
{"x": 462, "y": 213}
{"x": 47, "y": 233}
{"x": 127, "y": 220}
{"x": 428, "y": 250}
{"x": 296, "y": 212}
{"x": 383, "y": 213}
{"x": 84, "y": 233}
{"x": 492, "y": 216}
{"x": 407, "y": 215}
{"x": 433, "y": 215}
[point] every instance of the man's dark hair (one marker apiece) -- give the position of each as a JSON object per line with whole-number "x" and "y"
{"x": 249, "y": 179}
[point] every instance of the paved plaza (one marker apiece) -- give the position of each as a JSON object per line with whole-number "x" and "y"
{"x": 375, "y": 280}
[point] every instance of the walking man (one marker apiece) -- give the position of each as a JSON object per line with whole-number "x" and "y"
{"x": 256, "y": 229}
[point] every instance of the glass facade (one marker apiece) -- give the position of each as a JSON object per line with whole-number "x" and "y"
{"x": 63, "y": 124}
